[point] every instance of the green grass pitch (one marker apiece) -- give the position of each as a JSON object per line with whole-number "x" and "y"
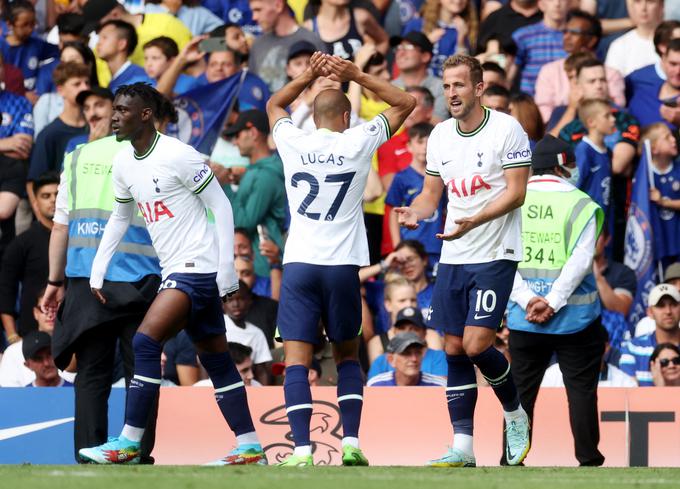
{"x": 173, "y": 477}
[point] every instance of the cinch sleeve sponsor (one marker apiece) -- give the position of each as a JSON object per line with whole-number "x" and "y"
{"x": 194, "y": 174}
{"x": 516, "y": 150}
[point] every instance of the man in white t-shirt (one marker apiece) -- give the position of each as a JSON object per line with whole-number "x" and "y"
{"x": 172, "y": 187}
{"x": 635, "y": 48}
{"x": 241, "y": 331}
{"x": 481, "y": 157}
{"x": 325, "y": 176}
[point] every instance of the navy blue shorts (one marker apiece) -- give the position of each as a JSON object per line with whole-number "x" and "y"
{"x": 310, "y": 293}
{"x": 206, "y": 317}
{"x": 471, "y": 295}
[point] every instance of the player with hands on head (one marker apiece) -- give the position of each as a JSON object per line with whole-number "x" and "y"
{"x": 172, "y": 186}
{"x": 481, "y": 157}
{"x": 325, "y": 174}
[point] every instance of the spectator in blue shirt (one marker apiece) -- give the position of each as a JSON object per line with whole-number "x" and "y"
{"x": 159, "y": 54}
{"x": 21, "y": 48}
{"x": 406, "y": 186}
{"x": 540, "y": 43}
{"x": 664, "y": 309}
{"x": 593, "y": 158}
{"x": 405, "y": 354}
{"x": 409, "y": 320}
{"x": 117, "y": 41}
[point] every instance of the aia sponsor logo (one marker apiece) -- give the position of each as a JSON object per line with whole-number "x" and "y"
{"x": 154, "y": 211}
{"x": 467, "y": 186}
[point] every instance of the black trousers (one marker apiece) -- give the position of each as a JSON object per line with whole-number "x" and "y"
{"x": 580, "y": 357}
{"x": 95, "y": 352}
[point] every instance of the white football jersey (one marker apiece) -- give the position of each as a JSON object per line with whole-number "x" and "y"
{"x": 165, "y": 183}
{"x": 326, "y": 176}
{"x": 471, "y": 166}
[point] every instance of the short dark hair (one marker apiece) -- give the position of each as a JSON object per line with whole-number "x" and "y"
{"x": 244, "y": 289}
{"x": 13, "y": 9}
{"x": 221, "y": 31}
{"x": 243, "y": 231}
{"x": 420, "y": 130}
{"x": 663, "y": 34}
{"x": 376, "y": 59}
{"x": 416, "y": 246}
{"x": 239, "y": 353}
{"x": 148, "y": 94}
{"x": 167, "y": 46}
{"x": 661, "y": 347}
{"x": 495, "y": 67}
{"x": 125, "y": 30}
{"x": 588, "y": 63}
{"x": 69, "y": 23}
{"x": 238, "y": 57}
{"x": 428, "y": 98}
{"x": 673, "y": 45}
{"x": 167, "y": 111}
{"x": 497, "y": 91}
{"x": 47, "y": 178}
{"x": 595, "y": 24}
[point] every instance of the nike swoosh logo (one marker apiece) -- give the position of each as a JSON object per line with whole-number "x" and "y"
{"x": 477, "y": 316}
{"x": 411, "y": 191}
{"x": 7, "y": 433}
{"x": 399, "y": 152}
{"x": 445, "y": 162}
{"x": 595, "y": 168}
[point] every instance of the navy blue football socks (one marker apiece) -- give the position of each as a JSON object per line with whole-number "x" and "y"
{"x": 299, "y": 408}
{"x": 146, "y": 382}
{"x": 230, "y": 391}
{"x": 461, "y": 393}
{"x": 496, "y": 370}
{"x": 350, "y": 396}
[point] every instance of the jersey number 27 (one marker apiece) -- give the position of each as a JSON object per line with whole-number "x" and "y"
{"x": 314, "y": 188}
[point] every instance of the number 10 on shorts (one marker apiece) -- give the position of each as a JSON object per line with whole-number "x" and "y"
{"x": 486, "y": 300}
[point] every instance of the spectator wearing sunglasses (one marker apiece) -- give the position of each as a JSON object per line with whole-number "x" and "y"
{"x": 665, "y": 365}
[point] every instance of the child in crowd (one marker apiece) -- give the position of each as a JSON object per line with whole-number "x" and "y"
{"x": 593, "y": 158}
{"x": 406, "y": 186}
{"x": 21, "y": 48}
{"x": 159, "y": 53}
{"x": 666, "y": 191}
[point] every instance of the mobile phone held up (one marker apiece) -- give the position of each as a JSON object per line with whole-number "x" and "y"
{"x": 213, "y": 44}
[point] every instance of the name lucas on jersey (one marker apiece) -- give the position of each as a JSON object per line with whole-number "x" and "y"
{"x": 464, "y": 187}
{"x": 153, "y": 211}
{"x": 320, "y": 158}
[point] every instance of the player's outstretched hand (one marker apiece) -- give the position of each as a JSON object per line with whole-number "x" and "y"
{"x": 98, "y": 294}
{"x": 406, "y": 217}
{"x": 464, "y": 225}
{"x": 342, "y": 70}
{"x": 52, "y": 299}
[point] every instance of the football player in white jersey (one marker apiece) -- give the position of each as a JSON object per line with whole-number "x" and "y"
{"x": 482, "y": 158}
{"x": 326, "y": 172}
{"x": 170, "y": 184}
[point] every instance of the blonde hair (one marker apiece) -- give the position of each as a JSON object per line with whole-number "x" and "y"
{"x": 590, "y": 107}
{"x": 430, "y": 14}
{"x": 393, "y": 281}
{"x": 652, "y": 132}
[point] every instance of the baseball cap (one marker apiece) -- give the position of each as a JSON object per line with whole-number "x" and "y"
{"x": 662, "y": 290}
{"x": 672, "y": 272}
{"x": 250, "y": 118}
{"x": 301, "y": 47}
{"x": 402, "y": 341}
{"x": 416, "y": 38}
{"x": 551, "y": 152}
{"x": 34, "y": 342}
{"x": 98, "y": 91}
{"x": 410, "y": 315}
{"x": 94, "y": 11}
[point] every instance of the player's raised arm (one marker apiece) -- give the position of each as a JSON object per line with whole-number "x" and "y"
{"x": 401, "y": 103}
{"x": 114, "y": 231}
{"x": 276, "y": 106}
{"x": 214, "y": 199}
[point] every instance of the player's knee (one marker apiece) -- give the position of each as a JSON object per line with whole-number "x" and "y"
{"x": 474, "y": 346}
{"x": 453, "y": 345}
{"x": 145, "y": 346}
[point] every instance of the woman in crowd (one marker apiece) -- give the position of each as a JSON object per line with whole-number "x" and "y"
{"x": 524, "y": 109}
{"x": 344, "y": 29}
{"x": 451, "y": 25}
{"x": 665, "y": 365}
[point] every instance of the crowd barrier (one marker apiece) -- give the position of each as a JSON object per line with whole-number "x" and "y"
{"x": 400, "y": 426}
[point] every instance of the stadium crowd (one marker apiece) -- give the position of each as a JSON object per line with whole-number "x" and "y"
{"x": 601, "y": 75}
